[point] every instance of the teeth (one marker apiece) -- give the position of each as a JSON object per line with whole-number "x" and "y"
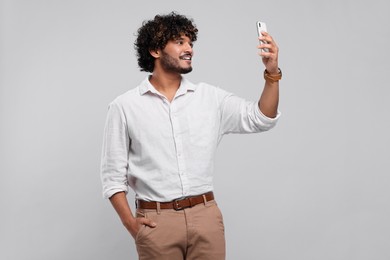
{"x": 186, "y": 58}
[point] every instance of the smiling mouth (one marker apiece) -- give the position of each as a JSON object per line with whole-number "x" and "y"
{"x": 186, "y": 57}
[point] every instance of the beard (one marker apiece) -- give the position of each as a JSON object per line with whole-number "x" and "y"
{"x": 170, "y": 64}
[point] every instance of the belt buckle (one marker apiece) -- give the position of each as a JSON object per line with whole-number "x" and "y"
{"x": 176, "y": 204}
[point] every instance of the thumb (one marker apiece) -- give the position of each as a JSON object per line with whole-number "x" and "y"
{"x": 149, "y": 223}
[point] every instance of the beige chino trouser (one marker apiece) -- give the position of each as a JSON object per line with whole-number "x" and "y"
{"x": 188, "y": 234}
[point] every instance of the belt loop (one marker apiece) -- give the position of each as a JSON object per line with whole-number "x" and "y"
{"x": 204, "y": 199}
{"x": 158, "y": 208}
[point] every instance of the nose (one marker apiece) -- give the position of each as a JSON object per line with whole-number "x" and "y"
{"x": 188, "y": 47}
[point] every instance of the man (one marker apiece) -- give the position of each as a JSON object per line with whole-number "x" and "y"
{"x": 160, "y": 139}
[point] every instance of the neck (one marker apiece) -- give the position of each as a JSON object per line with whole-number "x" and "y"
{"x": 165, "y": 82}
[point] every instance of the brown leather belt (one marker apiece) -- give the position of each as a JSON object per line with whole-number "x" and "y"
{"x": 178, "y": 204}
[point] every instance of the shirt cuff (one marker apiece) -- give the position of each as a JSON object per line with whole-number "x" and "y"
{"x": 268, "y": 122}
{"x": 108, "y": 193}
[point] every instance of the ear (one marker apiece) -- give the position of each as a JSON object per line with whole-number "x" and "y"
{"x": 155, "y": 53}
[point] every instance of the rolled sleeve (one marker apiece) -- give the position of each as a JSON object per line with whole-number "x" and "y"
{"x": 241, "y": 116}
{"x": 264, "y": 122}
{"x": 114, "y": 160}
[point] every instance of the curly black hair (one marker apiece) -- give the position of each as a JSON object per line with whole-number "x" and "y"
{"x": 155, "y": 34}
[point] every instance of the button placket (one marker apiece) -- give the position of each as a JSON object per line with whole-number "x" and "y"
{"x": 176, "y": 128}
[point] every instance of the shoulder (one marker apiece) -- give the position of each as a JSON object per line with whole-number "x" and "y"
{"x": 126, "y": 97}
{"x": 205, "y": 88}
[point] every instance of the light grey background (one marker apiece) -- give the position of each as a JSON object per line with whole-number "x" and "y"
{"x": 315, "y": 187}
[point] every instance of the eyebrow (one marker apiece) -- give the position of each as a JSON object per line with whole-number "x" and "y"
{"x": 182, "y": 38}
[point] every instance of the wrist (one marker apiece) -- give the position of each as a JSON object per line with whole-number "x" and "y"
{"x": 273, "y": 75}
{"x": 129, "y": 222}
{"x": 273, "y": 71}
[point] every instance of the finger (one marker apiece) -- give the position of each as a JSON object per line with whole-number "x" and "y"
{"x": 264, "y": 33}
{"x": 265, "y": 46}
{"x": 262, "y": 38}
{"x": 267, "y": 55}
{"x": 264, "y": 55}
{"x": 267, "y": 51}
{"x": 148, "y": 222}
{"x": 267, "y": 39}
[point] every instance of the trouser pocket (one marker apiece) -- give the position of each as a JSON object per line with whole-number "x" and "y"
{"x": 140, "y": 214}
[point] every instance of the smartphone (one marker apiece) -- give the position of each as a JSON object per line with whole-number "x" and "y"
{"x": 261, "y": 27}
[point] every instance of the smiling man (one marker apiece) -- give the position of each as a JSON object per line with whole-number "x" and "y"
{"x": 160, "y": 139}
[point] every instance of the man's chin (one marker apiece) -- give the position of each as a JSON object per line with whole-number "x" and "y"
{"x": 185, "y": 70}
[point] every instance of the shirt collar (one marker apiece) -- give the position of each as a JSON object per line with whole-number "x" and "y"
{"x": 146, "y": 86}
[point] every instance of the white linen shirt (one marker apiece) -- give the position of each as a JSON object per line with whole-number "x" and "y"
{"x": 165, "y": 150}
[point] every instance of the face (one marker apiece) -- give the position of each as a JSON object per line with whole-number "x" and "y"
{"x": 177, "y": 55}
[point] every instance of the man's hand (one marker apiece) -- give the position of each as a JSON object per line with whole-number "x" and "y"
{"x": 270, "y": 58}
{"x": 134, "y": 226}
